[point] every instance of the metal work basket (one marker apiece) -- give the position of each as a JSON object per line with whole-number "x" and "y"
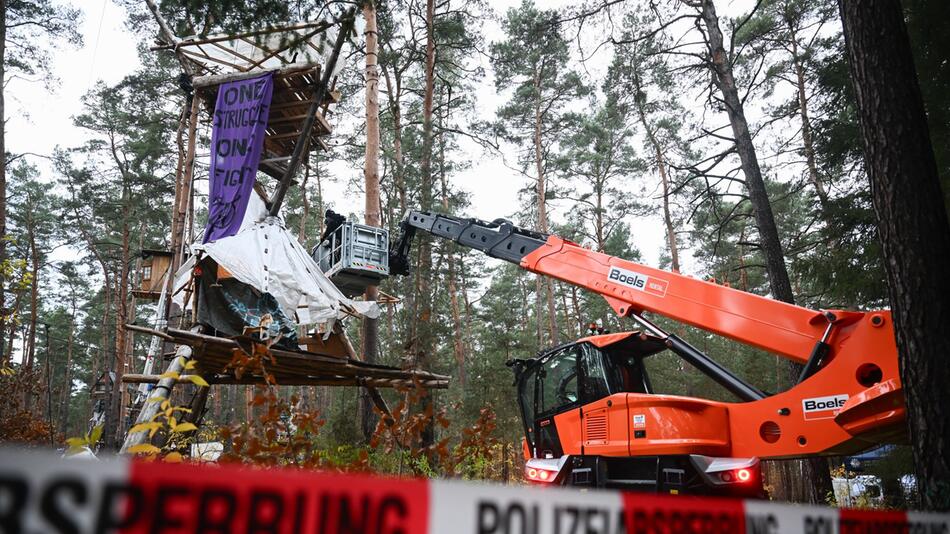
{"x": 354, "y": 256}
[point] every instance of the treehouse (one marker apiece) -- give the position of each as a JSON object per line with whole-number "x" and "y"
{"x": 153, "y": 266}
{"x": 257, "y": 308}
{"x": 103, "y": 386}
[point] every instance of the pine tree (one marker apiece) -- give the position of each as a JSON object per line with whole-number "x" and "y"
{"x": 127, "y": 186}
{"x": 29, "y": 31}
{"x": 912, "y": 224}
{"x": 532, "y": 61}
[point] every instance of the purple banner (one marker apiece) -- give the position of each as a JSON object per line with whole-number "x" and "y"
{"x": 237, "y": 138}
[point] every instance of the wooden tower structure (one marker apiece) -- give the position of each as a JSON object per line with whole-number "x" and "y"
{"x": 304, "y": 59}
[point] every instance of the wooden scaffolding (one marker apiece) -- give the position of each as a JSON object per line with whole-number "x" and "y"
{"x": 304, "y": 60}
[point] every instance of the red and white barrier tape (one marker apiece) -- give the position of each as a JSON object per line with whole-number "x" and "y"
{"x": 41, "y": 493}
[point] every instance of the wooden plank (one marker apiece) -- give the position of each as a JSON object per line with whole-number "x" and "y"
{"x": 291, "y": 104}
{"x": 323, "y": 25}
{"x": 318, "y": 130}
{"x": 295, "y": 381}
{"x": 202, "y": 82}
{"x": 215, "y": 354}
{"x": 285, "y": 118}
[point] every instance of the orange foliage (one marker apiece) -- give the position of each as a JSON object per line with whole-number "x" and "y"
{"x": 19, "y": 423}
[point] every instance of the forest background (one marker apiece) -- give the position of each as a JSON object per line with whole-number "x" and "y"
{"x": 602, "y": 123}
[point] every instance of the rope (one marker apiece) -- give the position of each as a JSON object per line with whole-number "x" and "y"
{"x": 95, "y": 48}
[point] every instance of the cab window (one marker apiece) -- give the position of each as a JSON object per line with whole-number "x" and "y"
{"x": 528, "y": 387}
{"x": 594, "y": 374}
{"x": 557, "y": 378}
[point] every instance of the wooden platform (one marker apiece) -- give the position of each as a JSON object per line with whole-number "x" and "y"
{"x": 295, "y": 53}
{"x": 293, "y": 94}
{"x": 215, "y": 354}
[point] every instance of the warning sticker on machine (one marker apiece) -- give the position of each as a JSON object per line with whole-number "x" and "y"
{"x": 823, "y": 407}
{"x": 639, "y": 420}
{"x": 638, "y": 281}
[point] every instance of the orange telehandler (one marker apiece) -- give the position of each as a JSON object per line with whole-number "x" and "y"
{"x": 591, "y": 417}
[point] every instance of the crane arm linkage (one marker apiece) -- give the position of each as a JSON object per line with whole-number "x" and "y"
{"x": 629, "y": 287}
{"x": 850, "y": 357}
{"x": 499, "y": 239}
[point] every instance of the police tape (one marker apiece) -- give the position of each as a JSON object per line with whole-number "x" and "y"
{"x": 40, "y": 493}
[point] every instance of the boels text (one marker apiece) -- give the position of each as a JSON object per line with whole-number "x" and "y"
{"x": 823, "y": 407}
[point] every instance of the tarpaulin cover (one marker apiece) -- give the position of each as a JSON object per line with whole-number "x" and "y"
{"x": 256, "y": 212}
{"x": 267, "y": 257}
{"x": 230, "y": 307}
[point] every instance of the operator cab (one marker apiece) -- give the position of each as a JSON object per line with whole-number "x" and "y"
{"x": 578, "y": 430}
{"x": 578, "y": 373}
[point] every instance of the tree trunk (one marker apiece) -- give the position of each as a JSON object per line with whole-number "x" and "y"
{"x": 807, "y": 141}
{"x": 372, "y": 209}
{"x": 183, "y": 116}
{"x": 539, "y": 311}
{"x": 542, "y": 217}
{"x": 424, "y": 344}
{"x": 578, "y": 317}
{"x": 34, "y": 291}
{"x": 667, "y": 217}
{"x": 816, "y": 482}
{"x": 3, "y": 175}
{"x": 912, "y": 225}
{"x": 183, "y": 194}
{"x": 769, "y": 240}
{"x": 599, "y": 215}
{"x": 320, "y": 221}
{"x": 121, "y": 314}
{"x": 458, "y": 336}
{"x": 466, "y": 306}
{"x": 394, "y": 93}
{"x": 67, "y": 386}
{"x": 393, "y": 90}
{"x": 99, "y": 363}
{"x": 660, "y": 161}
{"x": 12, "y": 326}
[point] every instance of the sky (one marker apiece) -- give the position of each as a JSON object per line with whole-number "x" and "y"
{"x": 40, "y": 120}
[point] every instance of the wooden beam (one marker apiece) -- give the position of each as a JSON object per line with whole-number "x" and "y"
{"x": 147, "y": 330}
{"x": 217, "y": 79}
{"x": 247, "y": 379}
{"x": 322, "y": 89}
{"x": 220, "y": 38}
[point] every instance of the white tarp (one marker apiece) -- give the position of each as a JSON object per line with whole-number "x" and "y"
{"x": 256, "y": 212}
{"x": 266, "y": 256}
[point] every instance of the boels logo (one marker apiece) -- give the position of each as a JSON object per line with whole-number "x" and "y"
{"x": 638, "y": 281}
{"x": 823, "y": 407}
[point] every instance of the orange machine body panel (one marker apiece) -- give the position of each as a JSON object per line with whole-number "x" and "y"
{"x": 636, "y": 424}
{"x": 846, "y": 406}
